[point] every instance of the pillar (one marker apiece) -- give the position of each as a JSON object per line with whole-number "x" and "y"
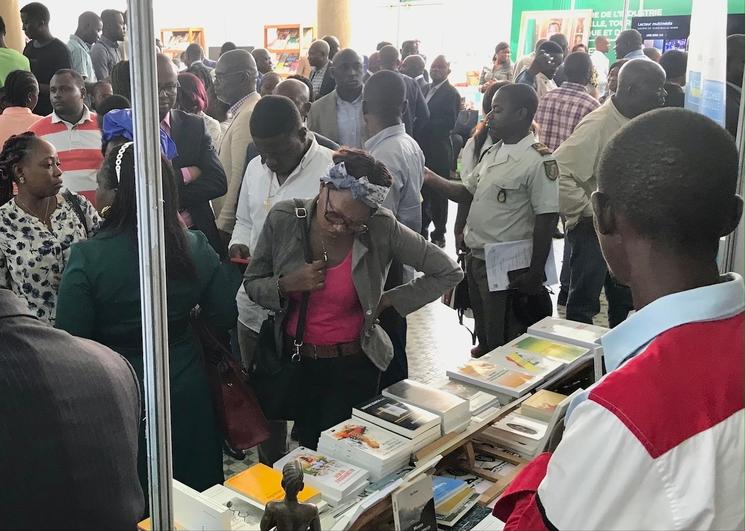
{"x": 12, "y": 18}
{"x": 334, "y": 18}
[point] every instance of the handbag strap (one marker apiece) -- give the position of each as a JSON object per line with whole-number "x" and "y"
{"x": 301, "y": 213}
{"x": 74, "y": 202}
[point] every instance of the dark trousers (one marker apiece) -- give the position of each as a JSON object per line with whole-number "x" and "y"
{"x": 435, "y": 211}
{"x": 330, "y": 388}
{"x": 588, "y": 275}
{"x": 496, "y": 322}
{"x": 565, "y": 275}
{"x": 394, "y": 324}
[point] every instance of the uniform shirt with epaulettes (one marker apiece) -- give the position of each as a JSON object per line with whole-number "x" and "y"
{"x": 511, "y": 185}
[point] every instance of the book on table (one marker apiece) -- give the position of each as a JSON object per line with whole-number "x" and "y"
{"x": 542, "y": 404}
{"x": 479, "y": 399}
{"x": 336, "y": 479}
{"x": 453, "y": 499}
{"x": 367, "y": 446}
{"x": 572, "y": 332}
{"x": 453, "y": 410}
{"x": 549, "y": 348}
{"x": 264, "y": 484}
{"x": 396, "y": 416}
{"x": 483, "y": 372}
{"x": 414, "y": 506}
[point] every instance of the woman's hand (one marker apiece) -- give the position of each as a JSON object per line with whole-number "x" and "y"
{"x": 309, "y": 277}
{"x": 385, "y": 302}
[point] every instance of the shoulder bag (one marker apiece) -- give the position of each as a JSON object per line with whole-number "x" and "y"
{"x": 276, "y": 375}
{"x": 74, "y": 201}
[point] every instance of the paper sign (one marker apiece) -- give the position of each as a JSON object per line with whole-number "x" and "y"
{"x": 501, "y": 258}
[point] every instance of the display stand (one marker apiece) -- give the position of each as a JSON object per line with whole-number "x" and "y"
{"x": 288, "y": 43}
{"x": 176, "y": 40}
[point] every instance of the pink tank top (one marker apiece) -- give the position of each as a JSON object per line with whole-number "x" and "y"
{"x": 334, "y": 313}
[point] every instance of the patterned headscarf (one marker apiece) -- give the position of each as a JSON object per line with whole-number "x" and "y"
{"x": 362, "y": 189}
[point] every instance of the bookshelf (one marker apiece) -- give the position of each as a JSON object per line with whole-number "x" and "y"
{"x": 288, "y": 43}
{"x": 175, "y": 40}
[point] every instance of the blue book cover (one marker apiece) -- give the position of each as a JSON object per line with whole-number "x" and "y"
{"x": 444, "y": 488}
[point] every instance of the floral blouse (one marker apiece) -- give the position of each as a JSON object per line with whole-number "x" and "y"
{"x": 32, "y": 258}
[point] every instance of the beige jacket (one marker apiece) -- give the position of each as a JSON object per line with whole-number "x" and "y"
{"x": 232, "y": 154}
{"x": 280, "y": 251}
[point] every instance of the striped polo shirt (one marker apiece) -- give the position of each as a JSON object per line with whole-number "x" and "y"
{"x": 78, "y": 147}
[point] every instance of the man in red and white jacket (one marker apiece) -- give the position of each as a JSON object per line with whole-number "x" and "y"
{"x": 73, "y": 131}
{"x": 658, "y": 442}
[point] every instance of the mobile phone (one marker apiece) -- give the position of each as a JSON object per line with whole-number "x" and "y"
{"x": 241, "y": 261}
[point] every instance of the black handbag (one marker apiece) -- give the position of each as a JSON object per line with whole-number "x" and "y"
{"x": 529, "y": 309}
{"x": 276, "y": 375}
{"x": 458, "y": 297}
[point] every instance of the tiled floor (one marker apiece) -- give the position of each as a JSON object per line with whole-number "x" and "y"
{"x": 435, "y": 342}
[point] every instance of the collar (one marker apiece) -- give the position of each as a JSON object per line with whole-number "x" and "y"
{"x": 344, "y": 102}
{"x": 435, "y": 87}
{"x": 614, "y": 110}
{"x": 513, "y": 150}
{"x": 324, "y": 67}
{"x": 12, "y": 306}
{"x": 80, "y": 41}
{"x": 709, "y": 303}
{"x": 167, "y": 120}
{"x": 636, "y": 54}
{"x": 87, "y": 117}
{"x": 575, "y": 87}
{"x": 234, "y": 108}
{"x": 304, "y": 162}
{"x": 377, "y": 138}
{"x": 17, "y": 110}
{"x": 108, "y": 42}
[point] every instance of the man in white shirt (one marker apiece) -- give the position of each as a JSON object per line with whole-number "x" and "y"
{"x": 600, "y": 62}
{"x": 289, "y": 166}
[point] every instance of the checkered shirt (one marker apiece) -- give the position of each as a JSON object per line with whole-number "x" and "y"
{"x": 559, "y": 112}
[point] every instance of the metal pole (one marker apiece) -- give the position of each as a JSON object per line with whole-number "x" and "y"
{"x": 625, "y": 15}
{"x": 731, "y": 242}
{"x": 152, "y": 260}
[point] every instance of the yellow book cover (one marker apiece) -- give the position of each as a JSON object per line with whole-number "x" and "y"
{"x": 264, "y": 484}
{"x": 546, "y": 347}
{"x": 541, "y": 406}
{"x": 448, "y": 505}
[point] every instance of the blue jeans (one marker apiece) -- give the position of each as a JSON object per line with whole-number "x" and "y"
{"x": 588, "y": 275}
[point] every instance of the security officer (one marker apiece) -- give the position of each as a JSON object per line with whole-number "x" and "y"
{"x": 513, "y": 195}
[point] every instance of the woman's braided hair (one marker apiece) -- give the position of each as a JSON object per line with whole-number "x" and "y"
{"x": 14, "y": 151}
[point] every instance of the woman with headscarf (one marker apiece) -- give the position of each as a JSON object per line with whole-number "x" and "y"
{"x": 352, "y": 241}
{"x": 192, "y": 98}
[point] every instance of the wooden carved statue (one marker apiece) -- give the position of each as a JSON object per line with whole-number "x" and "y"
{"x": 289, "y": 514}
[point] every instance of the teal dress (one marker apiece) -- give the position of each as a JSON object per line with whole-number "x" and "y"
{"x": 99, "y": 299}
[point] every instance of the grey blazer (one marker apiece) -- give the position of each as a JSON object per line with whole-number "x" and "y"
{"x": 280, "y": 251}
{"x": 69, "y": 419}
{"x": 322, "y": 118}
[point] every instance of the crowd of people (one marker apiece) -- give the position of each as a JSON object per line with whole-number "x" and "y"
{"x": 330, "y": 188}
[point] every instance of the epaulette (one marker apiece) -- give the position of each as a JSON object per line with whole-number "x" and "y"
{"x": 542, "y": 149}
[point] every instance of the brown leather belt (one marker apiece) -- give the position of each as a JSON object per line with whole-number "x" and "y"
{"x": 309, "y": 350}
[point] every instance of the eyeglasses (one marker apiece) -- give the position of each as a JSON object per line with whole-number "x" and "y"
{"x": 336, "y": 219}
{"x": 222, "y": 77}
{"x": 170, "y": 89}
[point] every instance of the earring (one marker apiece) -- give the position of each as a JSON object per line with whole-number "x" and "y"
{"x": 21, "y": 180}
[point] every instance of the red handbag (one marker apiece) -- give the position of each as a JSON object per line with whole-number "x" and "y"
{"x": 238, "y": 412}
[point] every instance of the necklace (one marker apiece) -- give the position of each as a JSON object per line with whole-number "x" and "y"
{"x": 45, "y": 219}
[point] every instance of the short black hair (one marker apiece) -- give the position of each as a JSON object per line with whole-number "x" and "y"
{"x": 227, "y": 47}
{"x": 194, "y": 51}
{"x": 550, "y": 47}
{"x": 381, "y": 44}
{"x": 120, "y": 80}
{"x": 108, "y": 15}
{"x": 675, "y": 63}
{"x": 36, "y": 11}
{"x": 306, "y": 81}
{"x": 2, "y": 26}
{"x": 578, "y": 67}
{"x": 561, "y": 40}
{"x": 522, "y": 96}
{"x": 274, "y": 115}
{"x": 673, "y": 173}
{"x": 18, "y": 84}
{"x": 384, "y": 94}
{"x": 114, "y": 101}
{"x": 79, "y": 81}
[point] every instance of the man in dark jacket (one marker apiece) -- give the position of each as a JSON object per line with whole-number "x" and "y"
{"x": 416, "y": 111}
{"x": 443, "y": 101}
{"x": 70, "y": 410}
{"x": 201, "y": 176}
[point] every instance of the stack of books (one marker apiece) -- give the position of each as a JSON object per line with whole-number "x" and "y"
{"x": 338, "y": 481}
{"x": 527, "y": 430}
{"x": 507, "y": 370}
{"x": 453, "y": 411}
{"x": 560, "y": 351}
{"x": 263, "y": 484}
{"x": 453, "y": 499}
{"x": 479, "y": 399}
{"x": 572, "y": 332}
{"x": 366, "y": 445}
{"x": 419, "y": 426}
